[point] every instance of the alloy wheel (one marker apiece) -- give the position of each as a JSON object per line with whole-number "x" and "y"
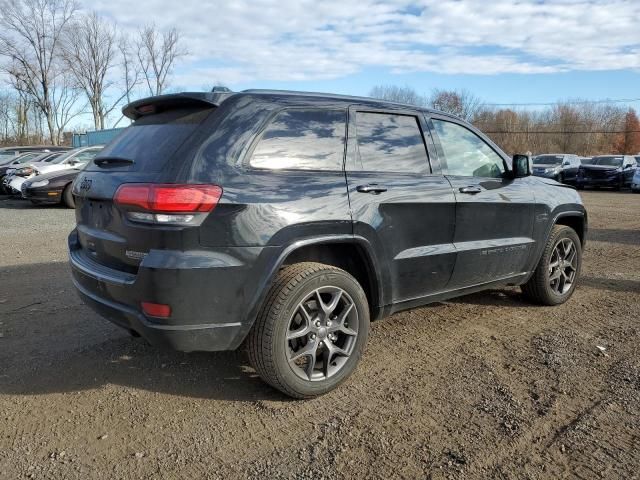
{"x": 563, "y": 266}
{"x": 322, "y": 332}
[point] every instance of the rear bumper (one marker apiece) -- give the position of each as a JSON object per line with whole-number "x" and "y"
{"x": 211, "y": 294}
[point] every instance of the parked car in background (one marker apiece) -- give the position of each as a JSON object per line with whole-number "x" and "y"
{"x": 51, "y": 188}
{"x": 562, "y": 167}
{"x": 611, "y": 171}
{"x": 10, "y": 168}
{"x": 72, "y": 159}
{"x": 284, "y": 221}
{"x": 635, "y": 182}
{"x": 9, "y": 153}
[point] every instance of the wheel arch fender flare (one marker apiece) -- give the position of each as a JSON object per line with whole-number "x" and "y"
{"x": 377, "y": 274}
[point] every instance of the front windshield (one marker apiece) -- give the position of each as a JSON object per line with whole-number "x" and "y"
{"x": 548, "y": 160}
{"x": 43, "y": 157}
{"x": 64, "y": 156}
{"x": 6, "y": 158}
{"x": 27, "y": 157}
{"x": 608, "y": 161}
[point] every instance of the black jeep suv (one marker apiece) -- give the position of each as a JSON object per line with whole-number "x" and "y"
{"x": 287, "y": 221}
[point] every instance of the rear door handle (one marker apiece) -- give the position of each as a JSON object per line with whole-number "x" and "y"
{"x": 371, "y": 188}
{"x": 470, "y": 189}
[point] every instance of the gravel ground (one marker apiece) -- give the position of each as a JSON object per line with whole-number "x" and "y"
{"x": 486, "y": 386}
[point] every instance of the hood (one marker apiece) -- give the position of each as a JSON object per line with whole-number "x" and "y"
{"x": 67, "y": 174}
{"x": 599, "y": 167}
{"x": 47, "y": 168}
{"x": 544, "y": 167}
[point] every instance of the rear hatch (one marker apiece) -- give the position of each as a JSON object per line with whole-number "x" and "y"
{"x": 115, "y": 233}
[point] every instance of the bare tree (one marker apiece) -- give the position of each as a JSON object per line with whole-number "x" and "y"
{"x": 91, "y": 54}
{"x": 394, "y": 93}
{"x": 130, "y": 67}
{"x": 457, "y": 102}
{"x": 31, "y": 34}
{"x": 65, "y": 102}
{"x": 157, "y": 53}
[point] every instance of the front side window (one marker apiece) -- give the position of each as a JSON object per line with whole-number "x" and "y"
{"x": 467, "y": 155}
{"x": 302, "y": 139}
{"x": 390, "y": 143}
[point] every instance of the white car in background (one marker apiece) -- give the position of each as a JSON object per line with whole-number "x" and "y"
{"x": 72, "y": 159}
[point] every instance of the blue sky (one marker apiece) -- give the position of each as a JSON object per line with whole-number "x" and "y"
{"x": 503, "y": 51}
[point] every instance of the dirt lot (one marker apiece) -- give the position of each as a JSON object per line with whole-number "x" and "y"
{"x": 486, "y": 386}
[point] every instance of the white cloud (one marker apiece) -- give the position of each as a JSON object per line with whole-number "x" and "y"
{"x": 241, "y": 41}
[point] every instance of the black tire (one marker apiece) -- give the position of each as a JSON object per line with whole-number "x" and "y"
{"x": 269, "y": 348}
{"x": 580, "y": 187}
{"x": 539, "y": 288}
{"x": 67, "y": 197}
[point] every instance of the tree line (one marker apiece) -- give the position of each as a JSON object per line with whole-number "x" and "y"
{"x": 581, "y": 127}
{"x": 59, "y": 63}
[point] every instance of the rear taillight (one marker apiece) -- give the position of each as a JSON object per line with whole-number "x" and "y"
{"x": 166, "y": 203}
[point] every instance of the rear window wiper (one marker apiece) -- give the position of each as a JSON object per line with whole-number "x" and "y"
{"x": 107, "y": 161}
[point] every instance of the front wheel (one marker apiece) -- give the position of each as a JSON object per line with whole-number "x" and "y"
{"x": 311, "y": 330}
{"x": 555, "y": 277}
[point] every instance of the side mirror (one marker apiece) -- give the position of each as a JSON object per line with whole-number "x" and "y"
{"x": 566, "y": 164}
{"x": 522, "y": 166}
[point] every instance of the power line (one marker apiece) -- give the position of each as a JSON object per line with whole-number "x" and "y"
{"x": 534, "y": 132}
{"x": 569, "y": 102}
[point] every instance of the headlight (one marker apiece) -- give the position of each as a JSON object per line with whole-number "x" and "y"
{"x": 39, "y": 183}
{"x": 550, "y": 170}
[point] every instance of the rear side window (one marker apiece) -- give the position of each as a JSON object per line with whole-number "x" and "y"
{"x": 309, "y": 139}
{"x": 390, "y": 143}
{"x": 152, "y": 139}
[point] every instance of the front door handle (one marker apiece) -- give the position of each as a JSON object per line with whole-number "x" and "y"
{"x": 371, "y": 188}
{"x": 470, "y": 189}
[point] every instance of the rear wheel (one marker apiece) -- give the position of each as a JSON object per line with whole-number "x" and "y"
{"x": 555, "y": 277}
{"x": 67, "y": 197}
{"x": 311, "y": 330}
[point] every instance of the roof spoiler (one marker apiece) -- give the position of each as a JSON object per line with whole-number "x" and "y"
{"x": 150, "y": 105}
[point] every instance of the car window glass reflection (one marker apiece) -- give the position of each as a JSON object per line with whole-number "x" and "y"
{"x": 302, "y": 139}
{"x": 467, "y": 154}
{"x": 390, "y": 143}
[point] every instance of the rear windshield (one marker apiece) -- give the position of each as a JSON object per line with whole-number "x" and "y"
{"x": 548, "y": 159}
{"x": 152, "y": 139}
{"x": 608, "y": 161}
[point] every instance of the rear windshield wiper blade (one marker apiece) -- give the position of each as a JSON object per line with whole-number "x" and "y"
{"x": 106, "y": 161}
